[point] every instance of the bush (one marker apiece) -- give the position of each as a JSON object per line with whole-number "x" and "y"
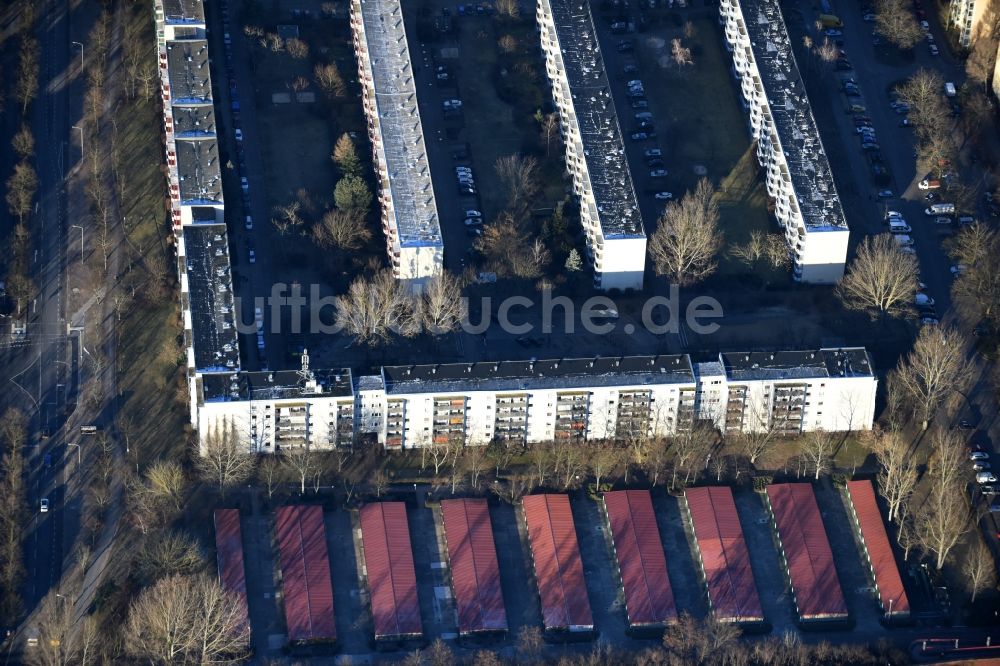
{"x": 761, "y": 482}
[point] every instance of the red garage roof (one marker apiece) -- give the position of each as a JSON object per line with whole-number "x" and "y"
{"x": 229, "y": 552}
{"x": 475, "y": 574}
{"x": 558, "y": 567}
{"x": 807, "y": 553}
{"x": 877, "y": 546}
{"x": 725, "y": 560}
{"x": 643, "y": 568}
{"x": 305, "y": 574}
{"x": 392, "y": 580}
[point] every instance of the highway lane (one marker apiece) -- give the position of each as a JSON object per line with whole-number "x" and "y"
{"x": 45, "y": 365}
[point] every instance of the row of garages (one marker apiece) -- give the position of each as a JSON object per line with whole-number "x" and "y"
{"x": 386, "y": 562}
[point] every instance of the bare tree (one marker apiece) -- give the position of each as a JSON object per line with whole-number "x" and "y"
{"x": 924, "y": 93}
{"x": 329, "y": 80}
{"x": 530, "y": 644}
{"x": 933, "y": 371}
{"x": 897, "y": 475}
{"x": 817, "y": 449}
{"x": 982, "y": 58}
{"x": 680, "y": 54}
{"x": 223, "y": 461}
{"x": 24, "y": 142}
{"x": 374, "y": 308}
{"x": 977, "y": 289}
{"x": 297, "y": 48}
{"x": 440, "y": 306}
{"x": 187, "y": 619}
{"x": 604, "y": 460}
{"x": 690, "y": 641}
{"x": 690, "y": 450}
{"x": 165, "y": 480}
{"x": 26, "y": 84}
{"x": 60, "y": 641}
{"x": 269, "y": 472}
{"x": 943, "y": 517}
{"x": 520, "y": 178}
{"x": 508, "y": 43}
{"x": 827, "y": 52}
{"x": 300, "y": 463}
{"x": 510, "y": 9}
{"x": 549, "y": 124}
{"x": 288, "y": 218}
{"x": 509, "y": 251}
{"x": 769, "y": 249}
{"x": 341, "y": 229}
{"x": 169, "y": 553}
{"x": 687, "y": 237}
{"x": 882, "y": 279}
{"x": 895, "y": 21}
{"x": 978, "y": 568}
{"x": 21, "y": 188}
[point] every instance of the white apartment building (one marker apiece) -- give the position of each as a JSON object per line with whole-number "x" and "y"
{"x": 522, "y": 402}
{"x": 197, "y": 206}
{"x": 389, "y": 92}
{"x": 595, "y": 153}
{"x": 972, "y": 19}
{"x": 789, "y": 148}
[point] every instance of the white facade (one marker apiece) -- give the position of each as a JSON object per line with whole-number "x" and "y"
{"x": 406, "y": 194}
{"x": 523, "y": 402}
{"x": 789, "y": 148}
{"x": 969, "y": 18}
{"x": 595, "y": 152}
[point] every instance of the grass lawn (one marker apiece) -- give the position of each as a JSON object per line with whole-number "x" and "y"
{"x": 149, "y": 356}
{"x": 701, "y": 123}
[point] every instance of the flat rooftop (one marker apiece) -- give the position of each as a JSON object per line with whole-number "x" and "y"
{"x": 849, "y": 362}
{"x": 276, "y": 385}
{"x": 604, "y": 150}
{"x": 796, "y": 128}
{"x": 183, "y": 11}
{"x": 194, "y": 121}
{"x": 526, "y": 375}
{"x": 199, "y": 170}
{"x": 409, "y": 172}
{"x": 210, "y": 289}
{"x": 187, "y": 68}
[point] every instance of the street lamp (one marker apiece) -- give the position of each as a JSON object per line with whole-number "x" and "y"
{"x": 77, "y": 452}
{"x": 77, "y": 226}
{"x": 81, "y": 54}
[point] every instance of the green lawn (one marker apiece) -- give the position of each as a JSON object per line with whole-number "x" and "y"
{"x": 701, "y": 122}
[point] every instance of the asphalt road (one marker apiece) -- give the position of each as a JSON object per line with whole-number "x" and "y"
{"x": 37, "y": 372}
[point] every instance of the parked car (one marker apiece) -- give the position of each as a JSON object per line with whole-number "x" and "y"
{"x": 904, "y": 240}
{"x": 239, "y": 134}
{"x": 473, "y": 221}
{"x": 640, "y": 104}
{"x": 625, "y": 46}
{"x": 473, "y": 232}
{"x": 886, "y": 194}
{"x": 664, "y": 196}
{"x": 642, "y": 136}
{"x": 986, "y": 477}
{"x": 248, "y": 223}
{"x": 450, "y": 104}
{"x": 473, "y": 213}
{"x": 923, "y": 299}
{"x": 980, "y": 466}
{"x": 655, "y": 163}
{"x": 658, "y": 173}
{"x": 653, "y": 152}
{"x": 933, "y": 49}
{"x": 988, "y": 491}
{"x": 244, "y": 184}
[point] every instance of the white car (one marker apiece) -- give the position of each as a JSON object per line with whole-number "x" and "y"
{"x": 473, "y": 213}
{"x": 893, "y": 213}
{"x": 979, "y": 455}
{"x": 933, "y": 49}
{"x": 986, "y": 477}
{"x": 452, "y": 104}
{"x": 43, "y": 506}
{"x": 244, "y": 183}
{"x": 923, "y": 299}
{"x": 664, "y": 196}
